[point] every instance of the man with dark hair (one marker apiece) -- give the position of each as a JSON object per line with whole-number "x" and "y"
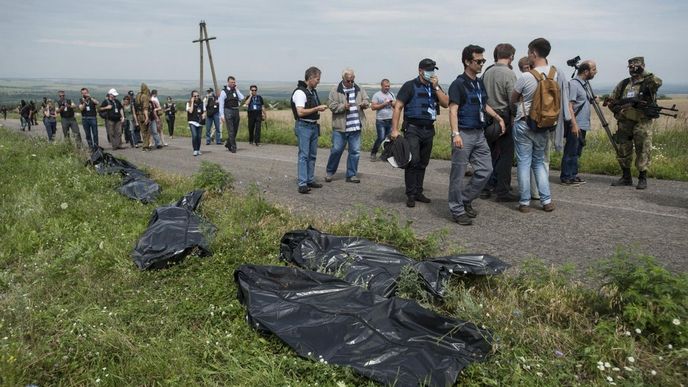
{"x": 575, "y": 140}
{"x": 306, "y": 107}
{"x": 531, "y": 144}
{"x": 89, "y": 119}
{"x": 627, "y": 102}
{"x": 66, "y": 109}
{"x": 383, "y": 105}
{"x": 499, "y": 82}
{"x": 467, "y": 111}
{"x": 113, "y": 118}
{"x": 230, "y": 100}
{"x": 212, "y": 111}
{"x": 255, "y": 107}
{"x": 419, "y": 99}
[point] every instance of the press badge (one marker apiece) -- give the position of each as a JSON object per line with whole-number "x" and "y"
{"x": 432, "y": 112}
{"x": 630, "y": 94}
{"x": 482, "y": 117}
{"x": 88, "y": 108}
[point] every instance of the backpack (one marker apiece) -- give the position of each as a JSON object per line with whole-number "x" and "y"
{"x": 546, "y": 104}
{"x": 104, "y": 113}
{"x": 397, "y": 152}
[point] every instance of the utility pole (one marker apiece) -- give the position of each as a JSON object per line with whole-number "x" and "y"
{"x": 203, "y": 37}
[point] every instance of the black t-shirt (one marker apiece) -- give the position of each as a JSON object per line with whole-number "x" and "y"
{"x": 114, "y": 114}
{"x": 89, "y": 108}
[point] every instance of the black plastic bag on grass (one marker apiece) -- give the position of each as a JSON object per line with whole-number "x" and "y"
{"x": 376, "y": 266}
{"x": 105, "y": 163}
{"x": 174, "y": 232}
{"x": 139, "y": 188}
{"x": 390, "y": 340}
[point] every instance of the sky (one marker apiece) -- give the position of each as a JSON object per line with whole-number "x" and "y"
{"x": 277, "y": 40}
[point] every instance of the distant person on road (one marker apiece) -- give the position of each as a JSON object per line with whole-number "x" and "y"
{"x": 89, "y": 120}
{"x": 156, "y": 124}
{"x": 420, "y": 99}
{"x": 212, "y": 117}
{"x": 4, "y": 113}
{"x": 170, "y": 109}
{"x": 575, "y": 141}
{"x": 468, "y": 109}
{"x": 634, "y": 123}
{"x": 33, "y": 112}
{"x": 195, "y": 112}
{"x": 66, "y": 109}
{"x": 230, "y": 100}
{"x": 129, "y": 124}
{"x": 255, "y": 107}
{"x": 113, "y": 118}
{"x": 383, "y": 105}
{"x": 24, "y": 111}
{"x": 306, "y": 107}
{"x": 50, "y": 119}
{"x": 347, "y": 101}
{"x": 142, "y": 108}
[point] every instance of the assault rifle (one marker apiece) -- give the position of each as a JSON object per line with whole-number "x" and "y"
{"x": 651, "y": 110}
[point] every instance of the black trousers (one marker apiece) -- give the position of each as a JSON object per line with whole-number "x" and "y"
{"x": 170, "y": 124}
{"x": 502, "y": 151}
{"x": 420, "y": 144}
{"x": 255, "y": 118}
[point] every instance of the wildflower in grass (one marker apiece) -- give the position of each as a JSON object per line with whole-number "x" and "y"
{"x": 616, "y": 369}
{"x": 631, "y": 359}
{"x": 629, "y": 369}
{"x": 627, "y": 333}
{"x": 670, "y": 346}
{"x": 607, "y": 365}
{"x": 610, "y": 379}
{"x": 64, "y": 206}
{"x": 638, "y": 331}
{"x": 676, "y": 321}
{"x": 653, "y": 372}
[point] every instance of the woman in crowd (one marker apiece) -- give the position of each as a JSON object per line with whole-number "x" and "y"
{"x": 156, "y": 122}
{"x": 129, "y": 122}
{"x": 195, "y": 113}
{"x": 50, "y": 119}
{"x": 170, "y": 114}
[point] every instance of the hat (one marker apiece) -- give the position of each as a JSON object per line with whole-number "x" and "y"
{"x": 428, "y": 64}
{"x": 210, "y": 90}
{"x": 637, "y": 61}
{"x": 113, "y": 92}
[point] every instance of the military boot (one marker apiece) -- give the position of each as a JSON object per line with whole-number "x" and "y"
{"x": 625, "y": 180}
{"x": 642, "y": 180}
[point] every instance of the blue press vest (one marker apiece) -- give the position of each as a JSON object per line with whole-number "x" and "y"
{"x": 473, "y": 103}
{"x": 423, "y": 98}
{"x": 256, "y": 103}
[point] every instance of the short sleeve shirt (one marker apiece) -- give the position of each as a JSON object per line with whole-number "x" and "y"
{"x": 581, "y": 104}
{"x": 386, "y": 112}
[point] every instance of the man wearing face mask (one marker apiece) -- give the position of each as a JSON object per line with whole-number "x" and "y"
{"x": 627, "y": 102}
{"x": 420, "y": 99}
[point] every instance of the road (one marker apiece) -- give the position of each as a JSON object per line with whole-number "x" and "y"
{"x": 589, "y": 223}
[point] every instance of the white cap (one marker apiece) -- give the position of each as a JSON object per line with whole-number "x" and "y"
{"x": 113, "y": 92}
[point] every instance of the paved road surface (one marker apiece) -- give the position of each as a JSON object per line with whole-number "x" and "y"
{"x": 589, "y": 222}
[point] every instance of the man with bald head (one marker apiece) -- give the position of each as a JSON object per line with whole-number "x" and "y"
{"x": 575, "y": 136}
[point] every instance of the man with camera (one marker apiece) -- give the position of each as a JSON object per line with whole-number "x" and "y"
{"x": 575, "y": 139}
{"x": 112, "y": 109}
{"x": 629, "y": 102}
{"x": 66, "y": 109}
{"x": 89, "y": 120}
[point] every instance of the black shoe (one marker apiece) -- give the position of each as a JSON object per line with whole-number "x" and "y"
{"x": 158, "y": 147}
{"x": 422, "y": 198}
{"x": 485, "y": 194}
{"x": 410, "y": 202}
{"x": 257, "y": 144}
{"x": 507, "y": 198}
{"x": 469, "y": 210}
{"x": 304, "y": 189}
{"x": 353, "y": 179}
{"x": 642, "y": 180}
{"x": 623, "y": 181}
{"x": 570, "y": 183}
{"x": 315, "y": 185}
{"x": 463, "y": 219}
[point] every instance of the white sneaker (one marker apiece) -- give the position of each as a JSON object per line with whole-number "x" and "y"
{"x": 195, "y": 153}
{"x": 199, "y": 153}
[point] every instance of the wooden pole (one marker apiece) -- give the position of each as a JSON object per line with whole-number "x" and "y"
{"x": 210, "y": 57}
{"x": 203, "y": 37}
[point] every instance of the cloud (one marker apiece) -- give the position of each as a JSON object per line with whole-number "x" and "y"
{"x": 88, "y": 43}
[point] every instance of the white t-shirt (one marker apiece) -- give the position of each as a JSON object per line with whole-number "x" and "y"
{"x": 299, "y": 98}
{"x": 526, "y": 85}
{"x": 386, "y": 112}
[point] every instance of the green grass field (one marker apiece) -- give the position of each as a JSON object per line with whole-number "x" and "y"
{"x": 74, "y": 309}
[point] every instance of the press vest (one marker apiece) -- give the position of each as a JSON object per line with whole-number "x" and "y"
{"x": 196, "y": 113}
{"x": 424, "y": 97}
{"x": 312, "y": 101}
{"x": 89, "y": 109}
{"x": 231, "y": 98}
{"x": 68, "y": 112}
{"x": 255, "y": 103}
{"x": 212, "y": 107}
{"x": 473, "y": 98}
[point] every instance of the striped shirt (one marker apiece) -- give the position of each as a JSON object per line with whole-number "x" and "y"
{"x": 353, "y": 121}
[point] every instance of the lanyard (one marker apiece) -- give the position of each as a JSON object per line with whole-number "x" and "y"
{"x": 479, "y": 92}
{"x": 431, "y": 101}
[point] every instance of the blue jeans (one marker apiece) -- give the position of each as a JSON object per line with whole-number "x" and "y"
{"x": 572, "y": 152}
{"x": 195, "y": 136}
{"x": 339, "y": 139}
{"x": 209, "y": 121}
{"x": 50, "y": 127}
{"x": 530, "y": 153}
{"x": 90, "y": 125}
{"x": 383, "y": 127}
{"x": 307, "y": 134}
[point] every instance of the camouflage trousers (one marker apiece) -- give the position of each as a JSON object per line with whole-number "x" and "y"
{"x": 631, "y": 133}
{"x": 145, "y": 133}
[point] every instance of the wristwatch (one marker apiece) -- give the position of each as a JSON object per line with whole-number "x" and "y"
{"x": 454, "y": 134}
{"x": 437, "y": 88}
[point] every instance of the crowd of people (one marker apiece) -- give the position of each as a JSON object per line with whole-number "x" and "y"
{"x": 494, "y": 115}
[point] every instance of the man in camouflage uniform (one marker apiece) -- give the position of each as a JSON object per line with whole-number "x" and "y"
{"x": 142, "y": 106}
{"x": 630, "y": 101}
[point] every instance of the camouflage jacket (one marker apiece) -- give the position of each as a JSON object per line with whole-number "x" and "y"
{"x": 644, "y": 91}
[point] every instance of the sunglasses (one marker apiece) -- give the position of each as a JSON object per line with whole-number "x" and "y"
{"x": 254, "y": 89}
{"x": 479, "y": 61}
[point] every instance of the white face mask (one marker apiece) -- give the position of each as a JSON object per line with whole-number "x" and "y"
{"x": 428, "y": 74}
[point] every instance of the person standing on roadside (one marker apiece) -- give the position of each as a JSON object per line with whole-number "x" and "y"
{"x": 306, "y": 108}
{"x": 195, "y": 112}
{"x": 383, "y": 105}
{"x": 142, "y": 109}
{"x": 347, "y": 101}
{"x": 255, "y": 107}
{"x": 66, "y": 109}
{"x": 156, "y": 124}
{"x": 50, "y": 119}
{"x": 24, "y": 115}
{"x": 113, "y": 118}
{"x": 129, "y": 121}
{"x": 230, "y": 100}
{"x": 170, "y": 109}
{"x": 420, "y": 99}
{"x": 3, "y": 110}
{"x": 212, "y": 117}
{"x": 89, "y": 120}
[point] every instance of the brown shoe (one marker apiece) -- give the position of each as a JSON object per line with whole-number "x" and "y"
{"x": 549, "y": 207}
{"x": 524, "y": 208}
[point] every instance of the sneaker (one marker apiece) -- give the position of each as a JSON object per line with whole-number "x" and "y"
{"x": 423, "y": 199}
{"x": 470, "y": 211}
{"x": 353, "y": 179}
{"x": 507, "y": 198}
{"x": 315, "y": 185}
{"x": 195, "y": 153}
{"x": 570, "y": 183}
{"x": 328, "y": 178}
{"x": 523, "y": 208}
{"x": 158, "y": 147}
{"x": 463, "y": 219}
{"x": 410, "y": 202}
{"x": 373, "y": 158}
{"x": 199, "y": 153}
{"x": 549, "y": 207}
{"x": 207, "y": 143}
{"x": 304, "y": 189}
{"x": 578, "y": 180}
{"x": 164, "y": 144}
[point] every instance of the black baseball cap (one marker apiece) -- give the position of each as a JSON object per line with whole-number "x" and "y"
{"x": 210, "y": 90}
{"x": 428, "y": 64}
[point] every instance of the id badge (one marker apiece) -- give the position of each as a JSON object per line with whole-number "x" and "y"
{"x": 482, "y": 117}
{"x": 88, "y": 108}
{"x": 432, "y": 112}
{"x": 116, "y": 110}
{"x": 630, "y": 94}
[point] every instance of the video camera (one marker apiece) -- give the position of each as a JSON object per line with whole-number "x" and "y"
{"x": 573, "y": 62}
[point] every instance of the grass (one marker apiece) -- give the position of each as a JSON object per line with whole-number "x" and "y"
{"x": 74, "y": 310}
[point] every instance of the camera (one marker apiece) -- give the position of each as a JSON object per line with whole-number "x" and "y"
{"x": 573, "y": 62}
